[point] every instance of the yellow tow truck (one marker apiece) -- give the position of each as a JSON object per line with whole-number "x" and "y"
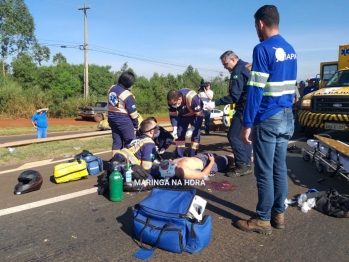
{"x": 328, "y": 107}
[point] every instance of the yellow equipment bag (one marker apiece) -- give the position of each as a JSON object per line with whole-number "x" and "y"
{"x": 104, "y": 125}
{"x": 70, "y": 171}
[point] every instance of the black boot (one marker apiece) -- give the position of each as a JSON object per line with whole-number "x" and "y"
{"x": 240, "y": 170}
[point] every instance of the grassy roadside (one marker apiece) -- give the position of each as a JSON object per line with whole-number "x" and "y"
{"x": 56, "y": 149}
{"x": 25, "y": 130}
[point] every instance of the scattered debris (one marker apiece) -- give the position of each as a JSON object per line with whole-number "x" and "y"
{"x": 294, "y": 149}
{"x": 12, "y": 150}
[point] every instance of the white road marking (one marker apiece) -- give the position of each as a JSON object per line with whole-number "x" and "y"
{"x": 42, "y": 163}
{"x": 37, "y": 163}
{"x": 48, "y": 201}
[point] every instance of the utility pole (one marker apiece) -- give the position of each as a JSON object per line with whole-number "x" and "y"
{"x": 85, "y": 52}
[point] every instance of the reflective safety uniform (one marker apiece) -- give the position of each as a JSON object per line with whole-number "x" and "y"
{"x": 122, "y": 116}
{"x": 141, "y": 151}
{"x": 268, "y": 111}
{"x": 189, "y": 112}
{"x": 237, "y": 95}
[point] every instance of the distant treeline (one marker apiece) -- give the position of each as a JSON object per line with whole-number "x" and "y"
{"x": 60, "y": 87}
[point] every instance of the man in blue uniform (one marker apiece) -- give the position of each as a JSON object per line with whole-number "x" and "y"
{"x": 237, "y": 95}
{"x": 141, "y": 150}
{"x": 268, "y": 112}
{"x": 185, "y": 107}
{"x": 310, "y": 88}
{"x": 122, "y": 111}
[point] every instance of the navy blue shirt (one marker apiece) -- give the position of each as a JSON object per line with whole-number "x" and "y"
{"x": 237, "y": 85}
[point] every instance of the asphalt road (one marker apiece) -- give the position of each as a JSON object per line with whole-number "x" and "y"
{"x": 92, "y": 228}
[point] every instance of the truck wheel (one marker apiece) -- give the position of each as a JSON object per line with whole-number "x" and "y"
{"x": 98, "y": 117}
{"x": 310, "y": 132}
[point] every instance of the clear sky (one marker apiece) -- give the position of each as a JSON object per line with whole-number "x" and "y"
{"x": 166, "y": 36}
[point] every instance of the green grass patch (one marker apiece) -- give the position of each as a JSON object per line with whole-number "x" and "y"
{"x": 55, "y": 149}
{"x": 24, "y": 130}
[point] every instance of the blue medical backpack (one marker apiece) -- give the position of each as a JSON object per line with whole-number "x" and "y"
{"x": 94, "y": 164}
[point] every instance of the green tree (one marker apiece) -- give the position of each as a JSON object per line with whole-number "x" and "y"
{"x": 40, "y": 53}
{"x": 191, "y": 78}
{"x": 24, "y": 70}
{"x": 59, "y": 58}
{"x": 66, "y": 82}
{"x": 16, "y": 28}
{"x": 46, "y": 77}
{"x": 100, "y": 79}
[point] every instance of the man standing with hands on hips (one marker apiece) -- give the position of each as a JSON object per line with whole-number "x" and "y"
{"x": 268, "y": 112}
{"x": 185, "y": 107}
{"x": 237, "y": 95}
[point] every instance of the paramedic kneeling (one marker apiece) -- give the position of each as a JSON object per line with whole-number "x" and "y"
{"x": 141, "y": 151}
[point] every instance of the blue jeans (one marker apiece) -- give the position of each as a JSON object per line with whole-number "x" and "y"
{"x": 41, "y": 132}
{"x": 207, "y": 114}
{"x": 270, "y": 141}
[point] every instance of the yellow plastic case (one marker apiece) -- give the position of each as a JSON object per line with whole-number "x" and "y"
{"x": 70, "y": 171}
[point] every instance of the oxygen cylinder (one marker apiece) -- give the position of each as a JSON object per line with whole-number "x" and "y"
{"x": 115, "y": 186}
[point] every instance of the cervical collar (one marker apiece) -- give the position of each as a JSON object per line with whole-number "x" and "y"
{"x": 167, "y": 168}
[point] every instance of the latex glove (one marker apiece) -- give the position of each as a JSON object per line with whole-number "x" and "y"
{"x": 162, "y": 150}
{"x": 190, "y": 131}
{"x": 210, "y": 105}
{"x": 174, "y": 132}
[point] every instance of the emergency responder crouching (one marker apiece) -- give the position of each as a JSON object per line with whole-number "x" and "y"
{"x": 141, "y": 150}
{"x": 185, "y": 107}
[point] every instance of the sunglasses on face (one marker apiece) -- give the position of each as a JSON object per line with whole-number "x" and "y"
{"x": 155, "y": 127}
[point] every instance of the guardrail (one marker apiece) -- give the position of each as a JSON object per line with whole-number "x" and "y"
{"x": 168, "y": 127}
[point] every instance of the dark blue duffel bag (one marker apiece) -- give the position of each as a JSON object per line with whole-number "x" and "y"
{"x": 163, "y": 220}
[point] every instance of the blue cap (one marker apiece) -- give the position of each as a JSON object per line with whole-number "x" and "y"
{"x": 302, "y": 82}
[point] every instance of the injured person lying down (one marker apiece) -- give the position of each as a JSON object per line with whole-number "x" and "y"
{"x": 195, "y": 167}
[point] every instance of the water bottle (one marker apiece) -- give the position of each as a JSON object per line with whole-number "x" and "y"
{"x": 115, "y": 186}
{"x": 128, "y": 176}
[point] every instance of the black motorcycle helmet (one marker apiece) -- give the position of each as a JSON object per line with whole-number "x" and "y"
{"x": 29, "y": 180}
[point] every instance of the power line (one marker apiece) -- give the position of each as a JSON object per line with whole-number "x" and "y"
{"x": 133, "y": 56}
